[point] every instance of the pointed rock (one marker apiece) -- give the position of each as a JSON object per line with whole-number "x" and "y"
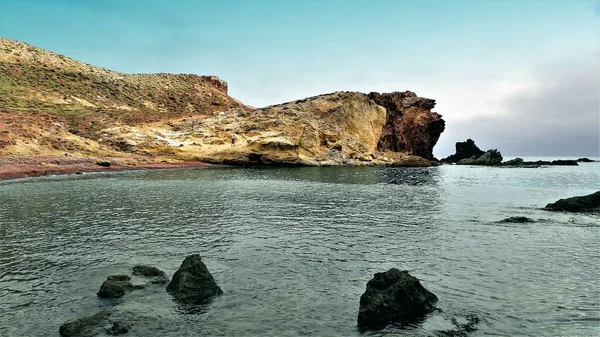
{"x": 192, "y": 282}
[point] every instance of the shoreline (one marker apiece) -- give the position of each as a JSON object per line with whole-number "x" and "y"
{"x": 39, "y": 166}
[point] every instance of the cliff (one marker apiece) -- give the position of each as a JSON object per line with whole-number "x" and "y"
{"x": 53, "y": 105}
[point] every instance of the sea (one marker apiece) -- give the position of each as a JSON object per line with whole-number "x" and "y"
{"x": 293, "y": 248}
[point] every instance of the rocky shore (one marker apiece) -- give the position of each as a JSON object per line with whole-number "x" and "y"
{"x": 36, "y": 166}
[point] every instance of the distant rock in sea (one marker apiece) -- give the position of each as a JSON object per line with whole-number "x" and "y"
{"x": 467, "y": 153}
{"x": 517, "y": 219}
{"x": 580, "y": 204}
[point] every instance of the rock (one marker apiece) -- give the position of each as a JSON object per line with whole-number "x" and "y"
{"x": 156, "y": 275}
{"x": 103, "y": 163}
{"x": 393, "y": 296}
{"x": 514, "y": 162}
{"x": 118, "y": 328}
{"x": 585, "y": 160}
{"x": 115, "y": 286}
{"x": 488, "y": 158}
{"x": 192, "y": 282}
{"x": 464, "y": 150}
{"x": 463, "y": 327}
{"x": 563, "y": 162}
{"x": 86, "y": 326}
{"x": 587, "y": 203}
{"x": 411, "y": 161}
{"x": 517, "y": 219}
{"x": 410, "y": 125}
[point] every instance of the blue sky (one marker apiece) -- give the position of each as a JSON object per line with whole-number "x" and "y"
{"x": 487, "y": 63}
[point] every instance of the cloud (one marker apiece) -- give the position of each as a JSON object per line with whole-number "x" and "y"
{"x": 558, "y": 114}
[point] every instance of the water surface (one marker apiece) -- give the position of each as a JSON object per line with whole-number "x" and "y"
{"x": 293, "y": 248}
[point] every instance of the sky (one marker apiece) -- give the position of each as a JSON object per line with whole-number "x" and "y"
{"x": 521, "y": 76}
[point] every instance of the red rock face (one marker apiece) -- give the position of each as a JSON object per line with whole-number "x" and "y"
{"x": 410, "y": 126}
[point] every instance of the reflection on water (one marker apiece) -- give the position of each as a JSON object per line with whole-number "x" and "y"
{"x": 293, "y": 248}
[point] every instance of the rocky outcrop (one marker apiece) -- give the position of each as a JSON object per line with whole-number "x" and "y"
{"x": 581, "y": 204}
{"x": 115, "y": 286}
{"x": 192, "y": 283}
{"x": 393, "y": 296}
{"x": 341, "y": 128}
{"x": 488, "y": 158}
{"x": 585, "y": 160}
{"x": 410, "y": 126}
{"x": 464, "y": 150}
{"x": 467, "y": 153}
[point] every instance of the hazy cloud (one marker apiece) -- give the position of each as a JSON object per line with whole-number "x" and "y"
{"x": 559, "y": 114}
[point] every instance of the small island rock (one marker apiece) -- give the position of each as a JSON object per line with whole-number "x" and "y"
{"x": 586, "y": 203}
{"x": 488, "y": 158}
{"x": 393, "y": 296}
{"x": 464, "y": 150}
{"x": 192, "y": 282}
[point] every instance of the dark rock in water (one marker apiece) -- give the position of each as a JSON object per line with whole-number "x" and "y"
{"x": 489, "y": 158}
{"x": 563, "y": 162}
{"x": 519, "y": 162}
{"x": 86, "y": 326}
{"x": 118, "y": 328}
{"x": 103, "y": 163}
{"x": 585, "y": 160}
{"x": 514, "y": 162}
{"x": 464, "y": 150}
{"x": 156, "y": 275}
{"x": 115, "y": 286}
{"x": 517, "y": 219}
{"x": 192, "y": 282}
{"x": 462, "y": 328}
{"x": 586, "y": 203}
{"x": 393, "y": 296}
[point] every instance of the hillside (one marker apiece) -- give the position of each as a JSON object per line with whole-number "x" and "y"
{"x": 85, "y": 99}
{"x": 51, "y": 105}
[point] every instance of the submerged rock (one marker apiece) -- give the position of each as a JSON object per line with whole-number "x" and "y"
{"x": 115, "y": 286}
{"x": 118, "y": 328}
{"x": 393, "y": 296}
{"x": 586, "y": 203}
{"x": 155, "y": 275}
{"x": 86, "y": 326}
{"x": 192, "y": 282}
{"x": 517, "y": 219}
{"x": 463, "y": 327}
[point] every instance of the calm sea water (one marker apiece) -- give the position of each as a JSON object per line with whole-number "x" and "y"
{"x": 293, "y": 248}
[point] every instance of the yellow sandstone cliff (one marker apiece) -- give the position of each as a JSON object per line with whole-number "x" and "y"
{"x": 53, "y": 105}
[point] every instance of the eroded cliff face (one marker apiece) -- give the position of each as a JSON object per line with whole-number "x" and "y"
{"x": 410, "y": 125}
{"x": 342, "y": 128}
{"x": 54, "y": 105}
